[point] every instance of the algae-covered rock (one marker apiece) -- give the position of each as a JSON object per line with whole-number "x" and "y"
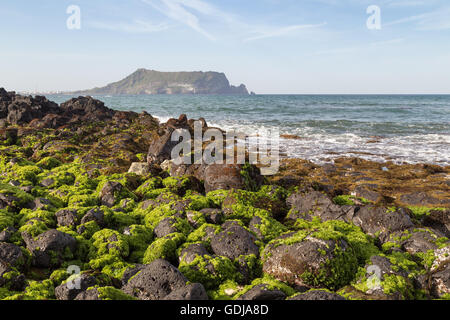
{"x": 313, "y": 204}
{"x": 51, "y": 248}
{"x": 262, "y": 292}
{"x": 381, "y": 221}
{"x": 304, "y": 260}
{"x": 233, "y": 242}
{"x": 313, "y": 295}
{"x": 67, "y": 217}
{"x": 12, "y": 255}
{"x": 387, "y": 278}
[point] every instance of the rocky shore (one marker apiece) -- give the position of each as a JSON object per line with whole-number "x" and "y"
{"x": 91, "y": 208}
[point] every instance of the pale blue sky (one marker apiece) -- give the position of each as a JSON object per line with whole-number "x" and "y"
{"x": 273, "y": 46}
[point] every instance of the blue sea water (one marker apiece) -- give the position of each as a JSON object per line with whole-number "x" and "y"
{"x": 398, "y": 128}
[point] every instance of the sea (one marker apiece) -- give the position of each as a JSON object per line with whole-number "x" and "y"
{"x": 320, "y": 128}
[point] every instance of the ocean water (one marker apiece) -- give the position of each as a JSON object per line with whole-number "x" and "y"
{"x": 398, "y": 128}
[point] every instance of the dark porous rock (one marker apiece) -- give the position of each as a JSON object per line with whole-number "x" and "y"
{"x": 70, "y": 290}
{"x": 48, "y": 248}
{"x": 313, "y": 204}
{"x": 156, "y": 281}
{"x": 9, "y": 135}
{"x": 67, "y": 217}
{"x": 440, "y": 273}
{"x": 365, "y": 192}
{"x": 379, "y": 274}
{"x": 8, "y": 200}
{"x": 191, "y": 292}
{"x": 22, "y": 110}
{"x": 161, "y": 145}
{"x": 439, "y": 220}
{"x": 140, "y": 168}
{"x": 290, "y": 260}
{"x": 262, "y": 292}
{"x": 108, "y": 194}
{"x": 14, "y": 281}
{"x": 233, "y": 242}
{"x": 214, "y": 216}
{"x": 131, "y": 272}
{"x": 318, "y": 295}
{"x": 380, "y": 221}
{"x": 95, "y": 214}
{"x": 414, "y": 241}
{"x": 165, "y": 227}
{"x": 149, "y": 204}
{"x": 440, "y": 281}
{"x": 12, "y": 255}
{"x": 191, "y": 252}
{"x": 91, "y": 294}
{"x": 7, "y": 233}
{"x": 40, "y": 203}
{"x": 86, "y": 109}
{"x": 224, "y": 177}
{"x": 421, "y": 199}
{"x": 48, "y": 182}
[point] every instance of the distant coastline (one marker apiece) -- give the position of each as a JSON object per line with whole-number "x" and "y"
{"x": 151, "y": 82}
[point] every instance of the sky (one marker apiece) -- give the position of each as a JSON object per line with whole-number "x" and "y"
{"x": 272, "y": 46}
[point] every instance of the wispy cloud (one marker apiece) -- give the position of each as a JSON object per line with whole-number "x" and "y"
{"x": 282, "y": 31}
{"x": 188, "y": 12}
{"x": 137, "y": 26}
{"x": 435, "y": 20}
{"x": 177, "y": 10}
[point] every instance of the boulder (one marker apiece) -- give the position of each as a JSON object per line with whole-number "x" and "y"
{"x": 109, "y": 192}
{"x": 218, "y": 176}
{"x": 313, "y": 204}
{"x": 12, "y": 255}
{"x": 305, "y": 261}
{"x": 439, "y": 220}
{"x": 95, "y": 214}
{"x": 262, "y": 292}
{"x": 191, "y": 292}
{"x": 89, "y": 295}
{"x": 48, "y": 248}
{"x": 314, "y": 295}
{"x": 155, "y": 281}
{"x": 40, "y": 203}
{"x": 67, "y": 217}
{"x": 7, "y": 233}
{"x": 86, "y": 109}
{"x": 380, "y": 221}
{"x": 233, "y": 242}
{"x": 165, "y": 227}
{"x": 70, "y": 292}
{"x": 140, "y": 168}
{"x": 440, "y": 273}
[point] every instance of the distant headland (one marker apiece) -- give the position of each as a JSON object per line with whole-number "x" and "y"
{"x": 144, "y": 81}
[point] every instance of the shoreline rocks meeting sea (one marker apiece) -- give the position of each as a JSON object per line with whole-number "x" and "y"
{"x": 91, "y": 208}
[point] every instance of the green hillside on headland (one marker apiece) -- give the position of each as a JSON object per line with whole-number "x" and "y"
{"x": 144, "y": 81}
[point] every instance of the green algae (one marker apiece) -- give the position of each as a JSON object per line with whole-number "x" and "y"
{"x": 209, "y": 271}
{"x": 163, "y": 248}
